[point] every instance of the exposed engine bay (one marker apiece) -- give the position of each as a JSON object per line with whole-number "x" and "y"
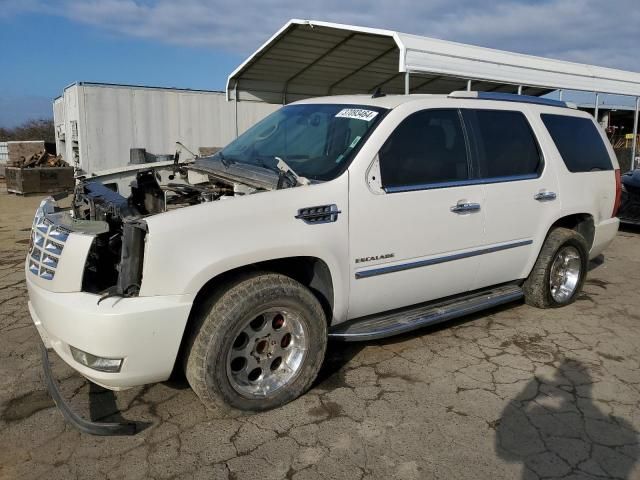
{"x": 123, "y": 199}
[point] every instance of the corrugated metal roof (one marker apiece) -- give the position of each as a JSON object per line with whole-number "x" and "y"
{"x": 308, "y": 58}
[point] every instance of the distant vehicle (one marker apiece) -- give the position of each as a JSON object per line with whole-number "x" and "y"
{"x": 630, "y": 205}
{"x": 352, "y": 218}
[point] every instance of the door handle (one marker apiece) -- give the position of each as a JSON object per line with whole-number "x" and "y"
{"x": 465, "y": 207}
{"x": 544, "y": 196}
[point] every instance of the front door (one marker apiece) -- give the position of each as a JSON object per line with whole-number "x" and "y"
{"x": 417, "y": 219}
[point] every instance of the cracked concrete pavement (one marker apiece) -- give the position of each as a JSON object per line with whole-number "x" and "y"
{"x": 514, "y": 392}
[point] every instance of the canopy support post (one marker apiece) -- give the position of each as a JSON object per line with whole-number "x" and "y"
{"x": 519, "y": 89}
{"x": 635, "y": 134}
{"x": 468, "y": 85}
{"x": 595, "y": 112}
{"x": 407, "y": 79}
{"x": 235, "y": 93}
{"x": 560, "y": 94}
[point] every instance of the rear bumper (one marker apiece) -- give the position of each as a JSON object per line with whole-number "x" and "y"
{"x": 144, "y": 331}
{"x": 605, "y": 232}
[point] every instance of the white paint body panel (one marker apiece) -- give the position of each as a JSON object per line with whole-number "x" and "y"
{"x": 198, "y": 243}
{"x": 512, "y": 214}
{"x": 188, "y": 247}
{"x": 413, "y": 226}
{"x": 146, "y": 332}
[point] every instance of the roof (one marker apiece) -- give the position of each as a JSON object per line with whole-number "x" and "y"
{"x": 482, "y": 98}
{"x": 146, "y": 87}
{"x": 128, "y": 86}
{"x": 307, "y": 58}
{"x": 386, "y": 101}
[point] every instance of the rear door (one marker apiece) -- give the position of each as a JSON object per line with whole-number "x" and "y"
{"x": 415, "y": 218}
{"x": 521, "y": 195}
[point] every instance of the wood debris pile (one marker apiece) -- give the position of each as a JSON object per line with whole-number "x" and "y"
{"x": 41, "y": 159}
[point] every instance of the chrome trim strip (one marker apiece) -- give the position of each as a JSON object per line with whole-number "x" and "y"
{"x": 461, "y": 183}
{"x": 434, "y": 261}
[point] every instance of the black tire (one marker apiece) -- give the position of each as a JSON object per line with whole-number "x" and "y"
{"x": 537, "y": 288}
{"x": 224, "y": 319}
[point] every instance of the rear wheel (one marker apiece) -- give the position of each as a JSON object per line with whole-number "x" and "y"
{"x": 559, "y": 273}
{"x": 259, "y": 346}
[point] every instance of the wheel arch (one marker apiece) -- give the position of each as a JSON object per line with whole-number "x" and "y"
{"x": 312, "y": 272}
{"x": 583, "y": 223}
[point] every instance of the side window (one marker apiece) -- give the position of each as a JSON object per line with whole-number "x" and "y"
{"x": 504, "y": 143}
{"x": 427, "y": 147}
{"x": 579, "y": 142}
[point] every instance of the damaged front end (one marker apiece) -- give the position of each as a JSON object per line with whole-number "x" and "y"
{"x": 114, "y": 261}
{"x": 122, "y": 200}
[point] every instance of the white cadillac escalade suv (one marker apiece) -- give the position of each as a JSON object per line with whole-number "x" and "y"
{"x": 351, "y": 218}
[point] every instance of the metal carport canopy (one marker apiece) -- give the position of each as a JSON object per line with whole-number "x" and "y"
{"x": 306, "y": 58}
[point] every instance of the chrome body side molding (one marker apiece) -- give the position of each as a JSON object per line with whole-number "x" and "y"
{"x": 461, "y": 183}
{"x": 434, "y": 261}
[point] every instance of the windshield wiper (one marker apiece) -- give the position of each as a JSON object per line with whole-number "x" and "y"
{"x": 225, "y": 161}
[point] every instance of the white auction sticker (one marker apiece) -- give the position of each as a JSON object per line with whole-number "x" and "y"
{"x": 357, "y": 114}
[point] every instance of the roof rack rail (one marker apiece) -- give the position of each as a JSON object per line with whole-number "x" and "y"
{"x": 511, "y": 97}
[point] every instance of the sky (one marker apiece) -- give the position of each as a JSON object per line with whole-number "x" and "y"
{"x": 46, "y": 45}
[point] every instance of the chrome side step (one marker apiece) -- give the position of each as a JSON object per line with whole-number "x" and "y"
{"x": 396, "y": 322}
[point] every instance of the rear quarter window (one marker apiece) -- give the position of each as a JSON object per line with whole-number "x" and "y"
{"x": 579, "y": 143}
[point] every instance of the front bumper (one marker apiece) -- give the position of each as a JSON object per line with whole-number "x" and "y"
{"x": 86, "y": 426}
{"x": 145, "y": 331}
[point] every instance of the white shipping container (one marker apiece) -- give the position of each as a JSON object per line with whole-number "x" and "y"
{"x": 97, "y": 124}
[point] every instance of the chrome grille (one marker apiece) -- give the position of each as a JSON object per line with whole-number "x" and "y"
{"x": 47, "y": 243}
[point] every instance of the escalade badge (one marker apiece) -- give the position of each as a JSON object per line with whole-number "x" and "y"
{"x": 374, "y": 258}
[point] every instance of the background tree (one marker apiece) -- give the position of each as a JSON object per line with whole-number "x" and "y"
{"x": 40, "y": 129}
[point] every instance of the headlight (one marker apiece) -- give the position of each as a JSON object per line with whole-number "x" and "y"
{"x": 110, "y": 365}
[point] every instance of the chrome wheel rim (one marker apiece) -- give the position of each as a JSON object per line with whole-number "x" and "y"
{"x": 267, "y": 353}
{"x": 565, "y": 274}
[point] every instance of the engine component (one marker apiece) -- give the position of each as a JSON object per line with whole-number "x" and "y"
{"x": 130, "y": 275}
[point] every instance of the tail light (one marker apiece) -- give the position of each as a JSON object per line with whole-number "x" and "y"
{"x": 616, "y": 204}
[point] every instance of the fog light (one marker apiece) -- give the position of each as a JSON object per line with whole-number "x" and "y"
{"x": 111, "y": 365}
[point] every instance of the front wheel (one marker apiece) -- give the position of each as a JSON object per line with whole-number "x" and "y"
{"x": 260, "y": 345}
{"x": 559, "y": 273}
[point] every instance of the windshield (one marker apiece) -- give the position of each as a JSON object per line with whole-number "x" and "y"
{"x": 316, "y": 141}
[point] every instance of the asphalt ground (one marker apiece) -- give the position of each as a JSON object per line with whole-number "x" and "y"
{"x": 514, "y": 392}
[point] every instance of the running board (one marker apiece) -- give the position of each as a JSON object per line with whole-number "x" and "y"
{"x": 400, "y": 321}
